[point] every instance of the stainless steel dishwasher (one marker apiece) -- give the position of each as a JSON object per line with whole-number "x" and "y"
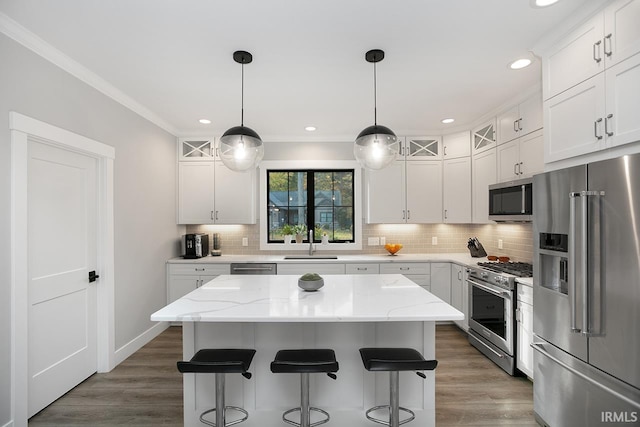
{"x": 253, "y": 268}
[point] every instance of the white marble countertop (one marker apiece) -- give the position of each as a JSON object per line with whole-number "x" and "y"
{"x": 344, "y": 298}
{"x": 459, "y": 258}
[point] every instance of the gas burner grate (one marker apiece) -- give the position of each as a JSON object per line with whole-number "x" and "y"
{"x": 518, "y": 269}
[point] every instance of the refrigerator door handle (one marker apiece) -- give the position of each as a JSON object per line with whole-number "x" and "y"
{"x": 584, "y": 254}
{"x": 540, "y": 349}
{"x": 573, "y": 298}
{"x": 591, "y": 320}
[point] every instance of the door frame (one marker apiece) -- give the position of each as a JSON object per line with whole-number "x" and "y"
{"x": 23, "y": 129}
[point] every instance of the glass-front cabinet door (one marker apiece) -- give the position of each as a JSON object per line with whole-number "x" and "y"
{"x": 422, "y": 148}
{"x": 484, "y": 136}
{"x": 196, "y": 149}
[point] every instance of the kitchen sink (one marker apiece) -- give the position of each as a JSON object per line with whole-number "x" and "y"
{"x": 311, "y": 257}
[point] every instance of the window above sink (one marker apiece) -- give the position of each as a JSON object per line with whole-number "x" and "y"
{"x": 326, "y": 194}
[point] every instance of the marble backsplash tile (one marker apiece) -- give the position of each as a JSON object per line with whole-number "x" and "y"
{"x": 517, "y": 239}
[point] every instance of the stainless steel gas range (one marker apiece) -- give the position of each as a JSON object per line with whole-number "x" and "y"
{"x": 492, "y": 303}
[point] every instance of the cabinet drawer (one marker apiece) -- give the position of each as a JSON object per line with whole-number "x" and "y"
{"x": 199, "y": 269}
{"x": 525, "y": 294}
{"x": 405, "y": 268}
{"x": 310, "y": 268}
{"x": 362, "y": 268}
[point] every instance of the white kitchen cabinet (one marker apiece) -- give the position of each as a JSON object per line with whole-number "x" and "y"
{"x": 521, "y": 157}
{"x": 185, "y": 277}
{"x": 599, "y": 113}
{"x": 608, "y": 38}
{"x": 483, "y": 137}
{"x": 311, "y": 267}
{"x": 210, "y": 193}
{"x": 196, "y": 149}
{"x": 456, "y": 145}
{"x": 459, "y": 294}
{"x": 441, "y": 280}
{"x": 405, "y": 192}
{"x": 524, "y": 333}
{"x": 365, "y": 268}
{"x": 457, "y": 190}
{"x": 419, "y": 273}
{"x": 421, "y": 147}
{"x": 483, "y": 171}
{"x": 520, "y": 120}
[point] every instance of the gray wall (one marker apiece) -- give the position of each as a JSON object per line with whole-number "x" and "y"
{"x": 145, "y": 180}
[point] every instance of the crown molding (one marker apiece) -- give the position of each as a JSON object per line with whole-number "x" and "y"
{"x": 26, "y": 38}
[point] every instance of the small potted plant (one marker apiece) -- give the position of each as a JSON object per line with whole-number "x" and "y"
{"x": 310, "y": 282}
{"x": 299, "y": 230}
{"x": 287, "y": 233}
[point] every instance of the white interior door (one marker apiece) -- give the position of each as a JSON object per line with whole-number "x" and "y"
{"x": 62, "y": 233}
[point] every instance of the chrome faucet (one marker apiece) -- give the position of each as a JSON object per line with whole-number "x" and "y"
{"x": 311, "y": 250}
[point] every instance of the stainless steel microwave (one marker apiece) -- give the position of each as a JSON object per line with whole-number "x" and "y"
{"x": 511, "y": 201}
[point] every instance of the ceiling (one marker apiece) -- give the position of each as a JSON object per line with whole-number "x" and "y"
{"x": 444, "y": 58}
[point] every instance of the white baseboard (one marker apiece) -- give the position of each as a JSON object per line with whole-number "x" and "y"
{"x": 138, "y": 342}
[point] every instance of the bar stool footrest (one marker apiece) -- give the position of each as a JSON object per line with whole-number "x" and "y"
{"x": 317, "y": 423}
{"x": 235, "y": 408}
{"x": 386, "y": 423}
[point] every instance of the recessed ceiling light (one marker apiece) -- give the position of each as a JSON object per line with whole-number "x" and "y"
{"x": 520, "y": 63}
{"x": 310, "y": 128}
{"x": 205, "y": 121}
{"x": 543, "y": 3}
{"x": 447, "y": 121}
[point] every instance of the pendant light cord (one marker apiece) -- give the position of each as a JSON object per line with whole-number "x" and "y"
{"x": 375, "y": 97}
{"x": 242, "y": 97}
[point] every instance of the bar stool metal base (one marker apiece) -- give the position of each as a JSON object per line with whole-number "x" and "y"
{"x": 386, "y": 423}
{"x": 311, "y": 408}
{"x": 212, "y": 424}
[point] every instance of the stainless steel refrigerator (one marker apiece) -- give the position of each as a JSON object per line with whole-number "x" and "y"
{"x": 586, "y": 299}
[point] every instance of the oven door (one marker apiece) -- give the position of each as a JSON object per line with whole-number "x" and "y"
{"x": 491, "y": 314}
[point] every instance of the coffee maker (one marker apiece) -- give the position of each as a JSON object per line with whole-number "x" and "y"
{"x": 195, "y": 245}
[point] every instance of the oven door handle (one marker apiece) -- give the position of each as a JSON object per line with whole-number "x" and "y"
{"x": 497, "y": 293}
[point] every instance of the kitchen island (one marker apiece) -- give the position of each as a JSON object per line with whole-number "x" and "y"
{"x": 270, "y": 313}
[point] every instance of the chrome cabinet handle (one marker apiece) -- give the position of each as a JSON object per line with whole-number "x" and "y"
{"x": 446, "y": 213}
{"x": 217, "y": 215}
{"x": 596, "y": 45}
{"x": 606, "y": 125}
{"x": 444, "y": 150}
{"x": 519, "y": 123}
{"x": 199, "y": 269}
{"x": 460, "y": 275}
{"x": 408, "y": 214}
{"x": 520, "y": 168}
{"x": 595, "y": 128}
{"x": 610, "y": 51}
{"x": 211, "y": 215}
{"x": 515, "y": 128}
{"x": 515, "y": 172}
{"x": 404, "y": 214}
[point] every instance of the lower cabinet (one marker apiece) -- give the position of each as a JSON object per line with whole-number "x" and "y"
{"x": 441, "y": 280}
{"x": 186, "y": 277}
{"x": 524, "y": 334}
{"x": 417, "y": 272}
{"x": 304, "y": 268}
{"x": 460, "y": 294}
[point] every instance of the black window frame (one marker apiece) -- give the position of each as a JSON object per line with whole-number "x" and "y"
{"x": 311, "y": 207}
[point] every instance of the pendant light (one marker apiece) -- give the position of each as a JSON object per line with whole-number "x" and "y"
{"x": 241, "y": 148}
{"x": 376, "y": 147}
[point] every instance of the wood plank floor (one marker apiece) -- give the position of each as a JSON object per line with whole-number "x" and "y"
{"x": 146, "y": 389}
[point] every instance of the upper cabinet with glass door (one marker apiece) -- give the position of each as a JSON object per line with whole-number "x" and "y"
{"x": 421, "y": 147}
{"x": 484, "y": 136}
{"x": 196, "y": 149}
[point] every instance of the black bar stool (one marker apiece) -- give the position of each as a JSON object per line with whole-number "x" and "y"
{"x": 394, "y": 360}
{"x": 220, "y": 362}
{"x": 305, "y": 362}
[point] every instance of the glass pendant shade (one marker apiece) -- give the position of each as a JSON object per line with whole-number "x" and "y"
{"x": 241, "y": 149}
{"x": 376, "y": 147}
